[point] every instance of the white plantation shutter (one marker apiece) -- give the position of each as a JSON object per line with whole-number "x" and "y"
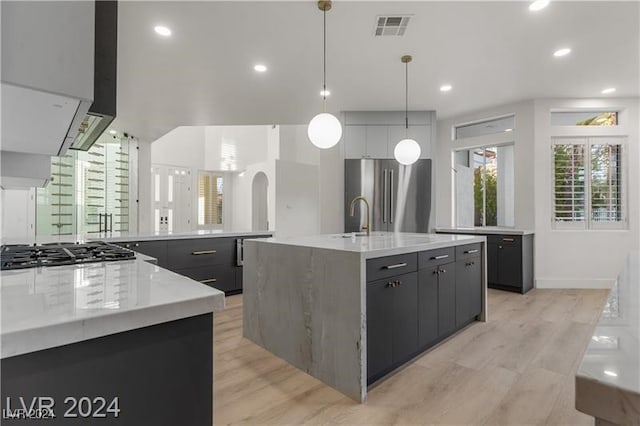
{"x": 210, "y": 191}
{"x": 588, "y": 177}
{"x": 569, "y": 183}
{"x": 606, "y": 182}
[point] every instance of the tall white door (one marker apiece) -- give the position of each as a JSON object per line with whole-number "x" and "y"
{"x": 171, "y": 198}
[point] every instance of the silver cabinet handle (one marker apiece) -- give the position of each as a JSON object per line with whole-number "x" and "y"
{"x": 197, "y": 253}
{"x": 210, "y": 280}
{"x": 508, "y": 240}
{"x": 397, "y": 265}
{"x": 442, "y": 256}
{"x": 385, "y": 192}
{"x": 471, "y": 251}
{"x": 391, "y": 206}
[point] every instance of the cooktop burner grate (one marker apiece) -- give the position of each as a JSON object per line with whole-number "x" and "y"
{"x": 53, "y": 254}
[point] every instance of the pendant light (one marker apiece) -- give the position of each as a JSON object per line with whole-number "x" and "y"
{"x": 324, "y": 129}
{"x": 407, "y": 151}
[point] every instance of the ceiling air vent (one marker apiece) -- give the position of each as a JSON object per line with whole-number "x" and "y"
{"x": 395, "y": 25}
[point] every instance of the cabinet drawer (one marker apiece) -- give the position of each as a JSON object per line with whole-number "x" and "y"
{"x": 221, "y": 277}
{"x": 436, "y": 257}
{"x": 385, "y": 267}
{"x": 505, "y": 239}
{"x": 200, "y": 252}
{"x": 468, "y": 250}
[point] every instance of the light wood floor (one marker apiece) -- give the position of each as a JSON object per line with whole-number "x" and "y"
{"x": 516, "y": 369}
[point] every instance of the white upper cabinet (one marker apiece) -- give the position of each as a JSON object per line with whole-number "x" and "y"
{"x": 421, "y": 134}
{"x": 374, "y": 134}
{"x": 355, "y": 141}
{"x": 377, "y": 141}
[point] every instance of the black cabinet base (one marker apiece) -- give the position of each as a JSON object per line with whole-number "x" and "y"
{"x": 508, "y": 288}
{"x": 160, "y": 375}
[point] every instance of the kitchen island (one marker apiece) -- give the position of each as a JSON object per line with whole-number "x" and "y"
{"x": 608, "y": 379}
{"x": 122, "y": 342}
{"x": 349, "y": 309}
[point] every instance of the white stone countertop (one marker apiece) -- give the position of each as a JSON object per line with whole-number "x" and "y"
{"x": 52, "y": 306}
{"x": 491, "y": 230}
{"x": 114, "y": 237}
{"x": 378, "y": 244}
{"x": 608, "y": 379}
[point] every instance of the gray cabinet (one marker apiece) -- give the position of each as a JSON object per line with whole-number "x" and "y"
{"x": 436, "y": 295}
{"x": 408, "y": 311}
{"x": 437, "y": 303}
{"x": 468, "y": 289}
{"x": 211, "y": 261}
{"x": 392, "y": 323}
{"x": 510, "y": 262}
{"x": 392, "y": 313}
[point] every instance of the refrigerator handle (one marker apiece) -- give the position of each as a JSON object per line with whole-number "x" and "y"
{"x": 391, "y": 204}
{"x": 384, "y": 195}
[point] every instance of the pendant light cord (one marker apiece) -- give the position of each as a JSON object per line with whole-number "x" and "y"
{"x": 406, "y": 99}
{"x": 324, "y": 61}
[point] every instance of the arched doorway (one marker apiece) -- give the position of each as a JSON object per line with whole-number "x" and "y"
{"x": 259, "y": 205}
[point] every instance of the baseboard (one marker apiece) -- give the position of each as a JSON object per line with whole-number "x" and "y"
{"x": 574, "y": 283}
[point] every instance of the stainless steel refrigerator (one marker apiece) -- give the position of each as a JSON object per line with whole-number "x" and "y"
{"x": 399, "y": 196}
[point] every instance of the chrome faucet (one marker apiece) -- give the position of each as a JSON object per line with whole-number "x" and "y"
{"x": 366, "y": 203}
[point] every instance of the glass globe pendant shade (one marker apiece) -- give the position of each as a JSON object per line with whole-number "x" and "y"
{"x": 407, "y": 151}
{"x": 324, "y": 130}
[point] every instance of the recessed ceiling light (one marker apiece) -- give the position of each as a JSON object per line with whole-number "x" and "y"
{"x": 260, "y": 68}
{"x": 508, "y": 130}
{"x": 610, "y": 373}
{"x": 445, "y": 87}
{"x": 163, "y": 31}
{"x": 562, "y": 52}
{"x": 608, "y": 90}
{"x": 113, "y": 132}
{"x": 538, "y": 5}
{"x": 325, "y": 93}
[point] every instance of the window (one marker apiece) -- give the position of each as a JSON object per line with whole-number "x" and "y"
{"x": 89, "y": 191}
{"x": 487, "y": 127}
{"x": 588, "y": 183}
{"x": 584, "y": 118}
{"x": 210, "y": 191}
{"x": 486, "y": 173}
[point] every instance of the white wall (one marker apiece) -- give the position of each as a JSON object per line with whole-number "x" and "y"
{"x": 239, "y": 218}
{"x": 296, "y": 147}
{"x": 569, "y": 259}
{"x": 297, "y": 199}
{"x": 18, "y": 222}
{"x": 183, "y": 147}
{"x": 563, "y": 259}
{"x": 235, "y": 147}
{"x": 331, "y": 190}
{"x": 522, "y": 137}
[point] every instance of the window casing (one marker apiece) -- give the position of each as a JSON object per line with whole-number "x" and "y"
{"x": 589, "y": 184}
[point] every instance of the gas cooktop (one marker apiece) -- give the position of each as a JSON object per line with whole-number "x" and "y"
{"x": 54, "y": 254}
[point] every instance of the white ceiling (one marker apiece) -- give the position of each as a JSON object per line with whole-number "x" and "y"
{"x": 491, "y": 52}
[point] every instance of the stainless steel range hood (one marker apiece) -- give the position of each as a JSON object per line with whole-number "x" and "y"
{"x": 103, "y": 110}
